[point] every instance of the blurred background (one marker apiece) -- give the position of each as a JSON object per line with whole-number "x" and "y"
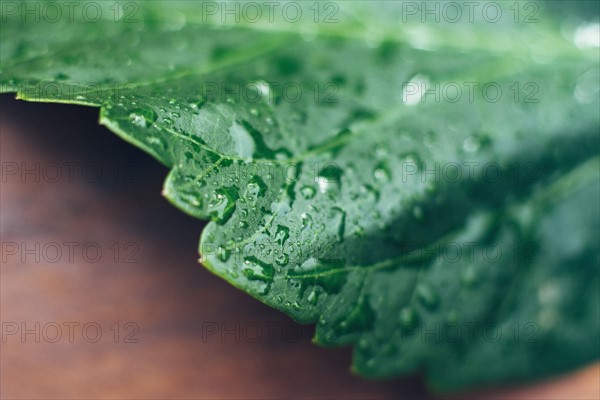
{"x": 102, "y": 297}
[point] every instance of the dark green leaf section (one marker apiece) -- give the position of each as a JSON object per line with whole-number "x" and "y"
{"x": 456, "y": 236}
{"x": 525, "y": 284}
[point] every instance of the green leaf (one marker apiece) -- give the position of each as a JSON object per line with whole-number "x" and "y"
{"x": 426, "y": 192}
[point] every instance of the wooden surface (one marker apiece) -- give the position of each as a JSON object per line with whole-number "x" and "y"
{"x": 146, "y": 276}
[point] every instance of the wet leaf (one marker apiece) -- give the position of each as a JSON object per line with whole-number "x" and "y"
{"x": 426, "y": 192}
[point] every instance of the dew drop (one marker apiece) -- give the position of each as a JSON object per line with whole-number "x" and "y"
{"x": 306, "y": 220}
{"x": 471, "y": 144}
{"x": 282, "y": 259}
{"x": 223, "y": 254}
{"x": 256, "y": 187}
{"x": 329, "y": 178}
{"x": 413, "y": 158}
{"x": 263, "y": 90}
{"x": 587, "y": 36}
{"x": 413, "y": 91}
{"x": 282, "y": 234}
{"x": 143, "y": 117}
{"x": 427, "y": 296}
{"x": 370, "y": 192}
{"x": 408, "y": 316}
{"x": 191, "y": 198}
{"x": 359, "y": 231}
{"x": 157, "y": 141}
{"x": 418, "y": 213}
{"x": 222, "y": 204}
{"x": 381, "y": 151}
{"x": 308, "y": 192}
{"x": 339, "y": 216}
{"x": 470, "y": 275}
{"x": 381, "y": 172}
{"x": 198, "y": 104}
{"x": 549, "y": 294}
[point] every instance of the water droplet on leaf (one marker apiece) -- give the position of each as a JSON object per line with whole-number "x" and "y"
{"x": 306, "y": 220}
{"x": 282, "y": 234}
{"x": 222, "y": 204}
{"x": 308, "y": 192}
{"x": 282, "y": 259}
{"x": 143, "y": 117}
{"x": 382, "y": 172}
{"x": 427, "y": 296}
{"x": 339, "y": 216}
{"x": 256, "y": 186}
{"x": 418, "y": 213}
{"x": 223, "y": 254}
{"x": 471, "y": 144}
{"x": 329, "y": 178}
{"x": 408, "y": 316}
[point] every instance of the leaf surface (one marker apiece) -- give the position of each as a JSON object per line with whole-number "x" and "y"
{"x": 425, "y": 192}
